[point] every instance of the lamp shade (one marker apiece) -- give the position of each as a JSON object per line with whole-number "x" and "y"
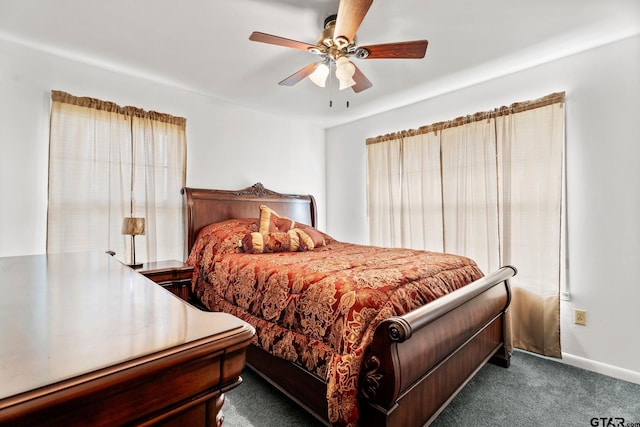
{"x": 344, "y": 72}
{"x": 133, "y": 226}
{"x": 319, "y": 75}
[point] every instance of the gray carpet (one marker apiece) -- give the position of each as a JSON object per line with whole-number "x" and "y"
{"x": 533, "y": 392}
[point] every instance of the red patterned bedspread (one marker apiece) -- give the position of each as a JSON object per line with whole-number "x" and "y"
{"x": 319, "y": 308}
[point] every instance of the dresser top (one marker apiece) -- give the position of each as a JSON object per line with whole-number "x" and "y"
{"x": 65, "y": 315}
{"x": 151, "y": 267}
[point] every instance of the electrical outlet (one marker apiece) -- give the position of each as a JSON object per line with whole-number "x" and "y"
{"x": 580, "y": 317}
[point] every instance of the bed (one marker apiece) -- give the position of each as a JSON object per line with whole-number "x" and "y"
{"x": 391, "y": 369}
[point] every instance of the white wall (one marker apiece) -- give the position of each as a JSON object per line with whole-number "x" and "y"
{"x": 603, "y": 197}
{"x": 228, "y": 146}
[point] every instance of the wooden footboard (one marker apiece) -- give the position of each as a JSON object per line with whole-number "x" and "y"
{"x": 418, "y": 362}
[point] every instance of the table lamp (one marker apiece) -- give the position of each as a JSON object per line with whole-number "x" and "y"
{"x": 133, "y": 226}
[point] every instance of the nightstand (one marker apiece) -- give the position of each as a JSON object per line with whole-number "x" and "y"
{"x": 173, "y": 275}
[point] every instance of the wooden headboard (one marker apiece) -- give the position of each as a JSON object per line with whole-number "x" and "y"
{"x": 203, "y": 207}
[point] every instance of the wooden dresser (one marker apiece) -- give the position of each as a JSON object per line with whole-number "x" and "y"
{"x": 86, "y": 340}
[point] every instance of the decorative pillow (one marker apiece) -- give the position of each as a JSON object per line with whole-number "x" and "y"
{"x": 306, "y": 242}
{"x": 278, "y": 241}
{"x": 316, "y": 237}
{"x": 271, "y": 221}
{"x": 294, "y": 240}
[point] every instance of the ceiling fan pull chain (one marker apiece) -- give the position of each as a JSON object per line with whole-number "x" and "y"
{"x": 330, "y": 85}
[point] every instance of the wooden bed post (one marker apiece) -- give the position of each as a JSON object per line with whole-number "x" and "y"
{"x": 502, "y": 357}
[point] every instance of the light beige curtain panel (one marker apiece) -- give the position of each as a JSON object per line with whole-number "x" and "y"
{"x": 487, "y": 186}
{"x": 106, "y": 163}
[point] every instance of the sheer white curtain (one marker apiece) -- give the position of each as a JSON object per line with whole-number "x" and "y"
{"x": 160, "y": 174}
{"x": 106, "y": 163}
{"x": 487, "y": 186}
{"x": 421, "y": 192}
{"x": 530, "y": 155}
{"x": 384, "y": 194}
{"x": 470, "y": 192}
{"x": 404, "y": 195}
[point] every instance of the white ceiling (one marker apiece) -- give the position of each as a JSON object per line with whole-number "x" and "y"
{"x": 203, "y": 45}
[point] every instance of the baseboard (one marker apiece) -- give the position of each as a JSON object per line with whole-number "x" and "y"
{"x": 601, "y": 368}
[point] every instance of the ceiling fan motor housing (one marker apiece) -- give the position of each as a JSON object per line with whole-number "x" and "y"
{"x": 328, "y": 46}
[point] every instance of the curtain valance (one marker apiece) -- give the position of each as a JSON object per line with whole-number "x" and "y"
{"x": 97, "y": 104}
{"x": 517, "y": 107}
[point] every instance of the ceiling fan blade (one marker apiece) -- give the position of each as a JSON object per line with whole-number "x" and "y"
{"x": 414, "y": 49}
{"x": 299, "y": 75}
{"x": 350, "y": 16}
{"x": 280, "y": 41}
{"x": 362, "y": 82}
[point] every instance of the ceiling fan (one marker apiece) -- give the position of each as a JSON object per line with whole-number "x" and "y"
{"x": 338, "y": 43}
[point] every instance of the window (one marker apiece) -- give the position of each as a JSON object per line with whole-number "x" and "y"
{"x": 106, "y": 163}
{"x": 487, "y": 186}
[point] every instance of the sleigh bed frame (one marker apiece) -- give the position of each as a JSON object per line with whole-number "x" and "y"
{"x": 416, "y": 364}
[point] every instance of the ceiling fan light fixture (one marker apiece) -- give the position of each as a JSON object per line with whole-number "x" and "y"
{"x": 344, "y": 72}
{"x": 319, "y": 75}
